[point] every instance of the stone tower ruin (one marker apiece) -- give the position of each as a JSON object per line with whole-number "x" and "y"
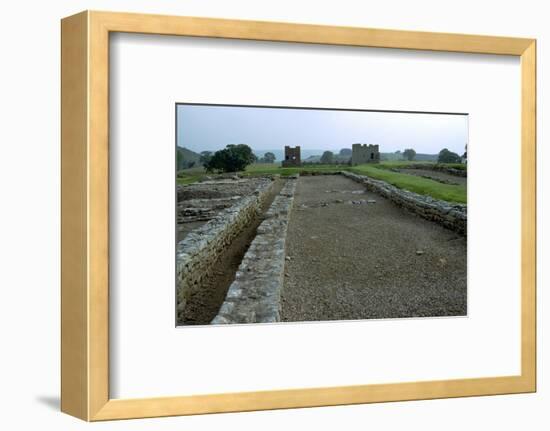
{"x": 363, "y": 153}
{"x": 292, "y": 157}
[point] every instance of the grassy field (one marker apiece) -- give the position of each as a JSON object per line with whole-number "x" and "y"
{"x": 420, "y": 185}
{"x": 275, "y": 168}
{"x": 403, "y": 164}
{"x": 189, "y": 178}
{"x": 413, "y": 183}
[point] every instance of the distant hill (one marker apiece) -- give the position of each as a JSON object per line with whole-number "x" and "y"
{"x": 187, "y": 158}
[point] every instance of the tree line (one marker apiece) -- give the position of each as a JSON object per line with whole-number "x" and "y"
{"x": 232, "y": 158}
{"x": 235, "y": 158}
{"x": 444, "y": 156}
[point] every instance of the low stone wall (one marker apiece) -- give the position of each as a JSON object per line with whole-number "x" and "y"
{"x": 452, "y": 216}
{"x": 440, "y": 168}
{"x": 255, "y": 295}
{"x": 199, "y": 250}
{"x": 452, "y": 171}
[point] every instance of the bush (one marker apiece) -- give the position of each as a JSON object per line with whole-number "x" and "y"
{"x": 327, "y": 157}
{"x": 205, "y": 157}
{"x": 446, "y": 156}
{"x": 232, "y": 158}
{"x": 268, "y": 158}
{"x": 409, "y": 154}
{"x": 345, "y": 152}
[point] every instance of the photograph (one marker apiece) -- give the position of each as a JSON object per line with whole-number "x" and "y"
{"x": 294, "y": 214}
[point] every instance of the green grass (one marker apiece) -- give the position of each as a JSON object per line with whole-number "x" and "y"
{"x": 191, "y": 175}
{"x": 276, "y": 168}
{"x": 188, "y": 176}
{"x": 404, "y": 164}
{"x": 188, "y": 179}
{"x": 420, "y": 185}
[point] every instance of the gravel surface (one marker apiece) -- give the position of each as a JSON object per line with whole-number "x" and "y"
{"x": 437, "y": 175}
{"x": 351, "y": 258}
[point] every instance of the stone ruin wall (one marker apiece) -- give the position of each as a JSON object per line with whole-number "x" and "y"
{"x": 363, "y": 153}
{"x": 451, "y": 215}
{"x": 199, "y": 250}
{"x": 255, "y": 295}
{"x": 440, "y": 168}
{"x": 292, "y": 157}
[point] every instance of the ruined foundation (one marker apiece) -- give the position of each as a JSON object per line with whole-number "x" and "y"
{"x": 451, "y": 215}
{"x": 255, "y": 295}
{"x": 439, "y": 167}
{"x": 199, "y": 250}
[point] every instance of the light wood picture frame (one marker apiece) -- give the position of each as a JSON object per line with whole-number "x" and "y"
{"x": 85, "y": 215}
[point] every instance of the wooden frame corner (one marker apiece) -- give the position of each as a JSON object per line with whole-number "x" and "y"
{"x": 85, "y": 215}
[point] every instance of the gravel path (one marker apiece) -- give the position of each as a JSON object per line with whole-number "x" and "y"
{"x": 367, "y": 260}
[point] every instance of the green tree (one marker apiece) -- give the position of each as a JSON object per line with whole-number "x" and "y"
{"x": 232, "y": 158}
{"x": 345, "y": 152}
{"x": 446, "y": 156}
{"x": 409, "y": 154}
{"x": 327, "y": 157}
{"x": 205, "y": 157}
{"x": 269, "y": 158}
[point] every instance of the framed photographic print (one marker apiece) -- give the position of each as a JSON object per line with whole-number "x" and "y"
{"x": 263, "y": 215}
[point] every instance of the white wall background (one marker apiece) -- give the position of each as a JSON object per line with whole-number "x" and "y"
{"x": 29, "y": 216}
{"x": 142, "y": 278}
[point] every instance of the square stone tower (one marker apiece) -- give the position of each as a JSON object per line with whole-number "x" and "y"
{"x": 292, "y": 157}
{"x": 363, "y": 153}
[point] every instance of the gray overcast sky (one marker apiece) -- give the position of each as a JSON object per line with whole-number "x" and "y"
{"x": 211, "y": 128}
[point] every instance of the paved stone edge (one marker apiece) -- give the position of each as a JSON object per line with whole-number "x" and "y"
{"x": 450, "y": 215}
{"x": 199, "y": 250}
{"x": 255, "y": 294}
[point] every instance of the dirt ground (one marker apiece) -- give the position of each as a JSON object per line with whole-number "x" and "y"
{"x": 349, "y": 258}
{"x": 444, "y": 177}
